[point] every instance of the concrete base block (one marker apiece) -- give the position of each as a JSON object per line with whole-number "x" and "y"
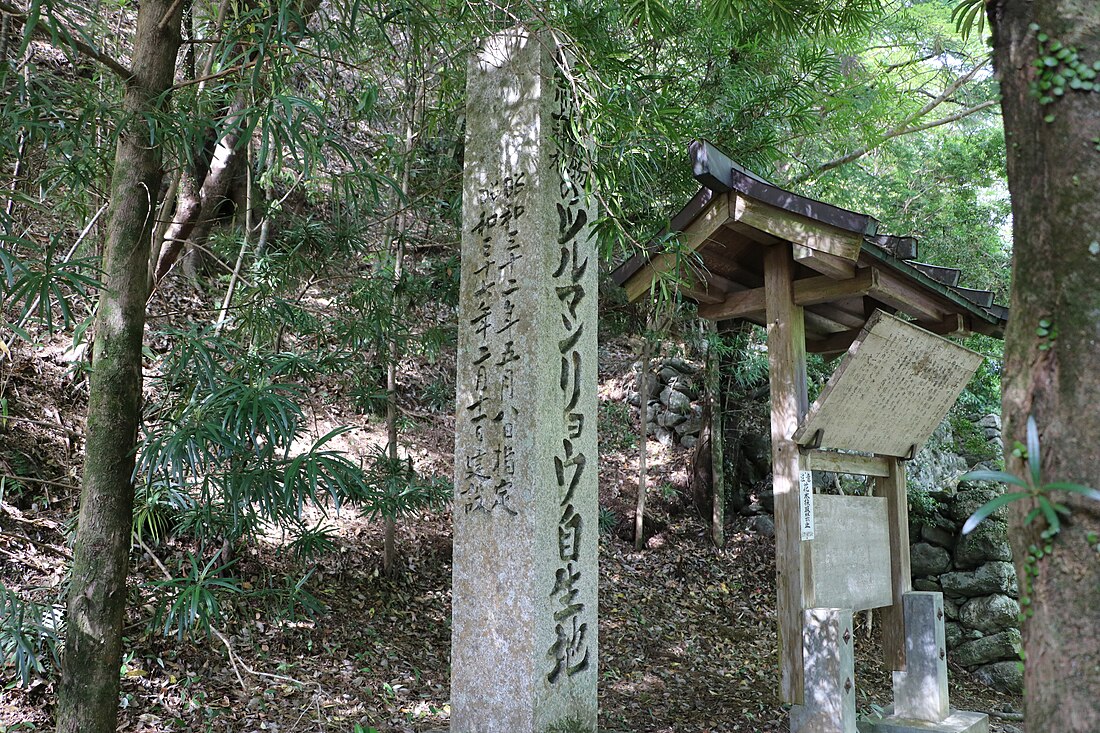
{"x": 957, "y": 722}
{"x": 829, "y": 700}
{"x": 920, "y": 691}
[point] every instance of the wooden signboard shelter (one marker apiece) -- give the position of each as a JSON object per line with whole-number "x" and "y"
{"x": 821, "y": 279}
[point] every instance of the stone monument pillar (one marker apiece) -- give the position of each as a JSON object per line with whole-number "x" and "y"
{"x": 523, "y": 654}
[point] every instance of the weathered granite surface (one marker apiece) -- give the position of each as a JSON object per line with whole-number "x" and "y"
{"x": 524, "y": 654}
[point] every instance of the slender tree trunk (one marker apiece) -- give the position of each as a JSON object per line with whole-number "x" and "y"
{"x": 717, "y": 441}
{"x": 413, "y": 91}
{"x": 644, "y": 381}
{"x": 88, "y": 692}
{"x": 1054, "y": 176}
{"x": 202, "y": 193}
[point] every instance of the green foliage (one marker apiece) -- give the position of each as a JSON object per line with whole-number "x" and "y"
{"x": 923, "y": 507}
{"x": 1059, "y": 68}
{"x": 608, "y": 521}
{"x": 396, "y": 490}
{"x": 1033, "y": 489}
{"x": 570, "y": 725}
{"x": 970, "y": 440}
{"x": 216, "y": 448}
{"x": 751, "y": 362}
{"x": 313, "y": 541}
{"x": 45, "y": 284}
{"x": 615, "y": 427}
{"x": 158, "y": 506}
{"x": 968, "y": 15}
{"x": 1047, "y": 333}
{"x": 815, "y": 17}
{"x": 30, "y": 636}
{"x": 192, "y": 603}
{"x": 982, "y": 395}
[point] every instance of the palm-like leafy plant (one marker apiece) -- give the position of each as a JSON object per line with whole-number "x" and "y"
{"x": 1031, "y": 488}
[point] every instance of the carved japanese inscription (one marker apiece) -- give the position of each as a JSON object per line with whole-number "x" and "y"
{"x": 570, "y": 653}
{"x": 486, "y": 479}
{"x": 524, "y": 647}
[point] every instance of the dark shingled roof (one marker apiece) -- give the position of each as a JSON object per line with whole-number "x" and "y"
{"x": 731, "y": 254}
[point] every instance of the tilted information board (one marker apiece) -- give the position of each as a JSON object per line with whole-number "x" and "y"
{"x": 891, "y": 390}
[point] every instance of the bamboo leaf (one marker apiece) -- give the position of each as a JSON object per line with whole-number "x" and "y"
{"x": 1073, "y": 488}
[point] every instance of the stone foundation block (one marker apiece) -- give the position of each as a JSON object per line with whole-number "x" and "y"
{"x": 956, "y": 722}
{"x": 829, "y": 702}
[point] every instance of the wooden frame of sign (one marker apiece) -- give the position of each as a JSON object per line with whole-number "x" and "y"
{"x": 894, "y": 386}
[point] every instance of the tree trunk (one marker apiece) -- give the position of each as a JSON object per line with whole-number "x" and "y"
{"x": 717, "y": 442}
{"x": 644, "y": 381}
{"x": 88, "y": 692}
{"x": 1053, "y": 176}
{"x": 202, "y": 193}
{"x": 402, "y": 220}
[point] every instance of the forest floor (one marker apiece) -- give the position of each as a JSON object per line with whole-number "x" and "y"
{"x": 687, "y": 632}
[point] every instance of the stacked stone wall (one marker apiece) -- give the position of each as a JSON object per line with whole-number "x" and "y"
{"x": 974, "y": 571}
{"x": 674, "y": 413}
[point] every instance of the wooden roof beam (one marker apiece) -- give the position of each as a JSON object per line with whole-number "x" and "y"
{"x": 749, "y": 214}
{"x": 700, "y": 296}
{"x": 819, "y": 326}
{"x": 696, "y": 235}
{"x": 953, "y": 324}
{"x": 808, "y": 291}
{"x": 902, "y": 295}
{"x": 840, "y": 315}
{"x": 827, "y": 264}
{"x": 836, "y": 343}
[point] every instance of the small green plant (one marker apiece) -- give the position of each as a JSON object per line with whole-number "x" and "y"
{"x": 1032, "y": 487}
{"x": 394, "y": 489}
{"x": 438, "y": 395}
{"x": 1059, "y": 68}
{"x": 608, "y": 520}
{"x": 29, "y": 636}
{"x": 969, "y": 438}
{"x": 570, "y": 725}
{"x": 923, "y": 507}
{"x": 615, "y": 427}
{"x": 192, "y": 602}
{"x": 157, "y": 508}
{"x": 312, "y": 541}
{"x": 1047, "y": 334}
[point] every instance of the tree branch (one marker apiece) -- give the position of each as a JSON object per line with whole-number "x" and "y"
{"x": 67, "y": 35}
{"x": 906, "y": 126}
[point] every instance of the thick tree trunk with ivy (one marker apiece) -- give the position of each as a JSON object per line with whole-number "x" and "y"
{"x": 88, "y": 692}
{"x": 1053, "y": 342}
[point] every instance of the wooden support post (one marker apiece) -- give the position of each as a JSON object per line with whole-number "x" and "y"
{"x": 893, "y": 617}
{"x": 787, "y": 370}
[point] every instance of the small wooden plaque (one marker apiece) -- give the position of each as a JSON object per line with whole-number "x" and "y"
{"x": 851, "y": 553}
{"x": 891, "y": 390}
